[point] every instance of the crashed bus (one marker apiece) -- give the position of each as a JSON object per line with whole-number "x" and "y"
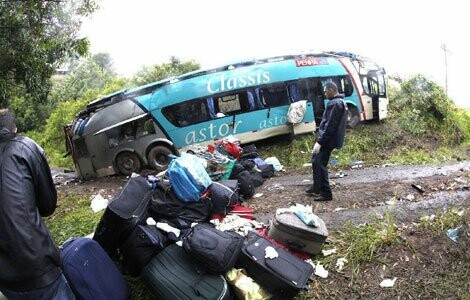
{"x": 133, "y": 129}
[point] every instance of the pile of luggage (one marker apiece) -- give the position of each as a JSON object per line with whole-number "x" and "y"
{"x": 158, "y": 228}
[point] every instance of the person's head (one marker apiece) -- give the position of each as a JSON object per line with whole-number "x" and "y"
{"x": 7, "y": 121}
{"x": 331, "y": 90}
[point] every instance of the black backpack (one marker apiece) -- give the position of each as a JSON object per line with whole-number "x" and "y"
{"x": 217, "y": 250}
{"x": 223, "y": 194}
{"x": 245, "y": 182}
{"x": 165, "y": 204}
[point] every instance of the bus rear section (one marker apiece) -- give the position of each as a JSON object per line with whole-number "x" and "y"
{"x": 119, "y": 138}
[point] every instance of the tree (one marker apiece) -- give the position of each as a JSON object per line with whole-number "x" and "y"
{"x": 88, "y": 75}
{"x": 104, "y": 61}
{"x": 421, "y": 106}
{"x": 158, "y": 72}
{"x": 36, "y": 36}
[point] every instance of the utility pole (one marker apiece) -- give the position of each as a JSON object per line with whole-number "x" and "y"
{"x": 446, "y": 50}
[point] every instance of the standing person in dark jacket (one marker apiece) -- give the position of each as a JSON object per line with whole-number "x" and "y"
{"x": 330, "y": 136}
{"x": 29, "y": 258}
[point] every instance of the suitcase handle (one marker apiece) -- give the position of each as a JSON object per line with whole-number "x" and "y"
{"x": 295, "y": 245}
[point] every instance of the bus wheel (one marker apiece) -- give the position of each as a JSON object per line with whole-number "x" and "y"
{"x": 127, "y": 162}
{"x": 353, "y": 117}
{"x": 158, "y": 158}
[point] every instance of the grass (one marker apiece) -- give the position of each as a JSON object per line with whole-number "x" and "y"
{"x": 372, "y": 143}
{"x": 361, "y": 243}
{"x": 73, "y": 217}
{"x": 443, "y": 221}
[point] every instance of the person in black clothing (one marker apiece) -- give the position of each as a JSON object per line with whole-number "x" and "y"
{"x": 330, "y": 136}
{"x": 29, "y": 258}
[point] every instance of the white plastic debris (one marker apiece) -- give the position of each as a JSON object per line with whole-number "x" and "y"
{"x": 150, "y": 221}
{"x": 392, "y": 201}
{"x": 387, "y": 283}
{"x": 167, "y": 228}
{"x": 428, "y": 218}
{"x": 320, "y": 271}
{"x": 328, "y": 252}
{"x": 339, "y": 209}
{"x": 340, "y": 263}
{"x": 275, "y": 162}
{"x": 305, "y": 214}
{"x": 410, "y": 197}
{"x": 275, "y": 187}
{"x": 270, "y": 252}
{"x": 98, "y": 203}
{"x": 257, "y": 195}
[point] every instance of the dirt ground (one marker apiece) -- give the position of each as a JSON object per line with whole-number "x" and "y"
{"x": 427, "y": 265}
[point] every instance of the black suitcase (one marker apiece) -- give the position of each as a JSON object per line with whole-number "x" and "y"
{"x": 287, "y": 229}
{"x": 283, "y": 276}
{"x": 174, "y": 274}
{"x": 124, "y": 212}
{"x": 141, "y": 246}
{"x": 91, "y": 273}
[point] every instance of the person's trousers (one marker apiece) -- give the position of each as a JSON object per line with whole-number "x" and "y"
{"x": 58, "y": 290}
{"x": 320, "y": 160}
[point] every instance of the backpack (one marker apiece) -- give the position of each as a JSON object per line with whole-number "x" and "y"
{"x": 223, "y": 194}
{"x": 247, "y": 188}
{"x": 217, "y": 250}
{"x": 165, "y": 204}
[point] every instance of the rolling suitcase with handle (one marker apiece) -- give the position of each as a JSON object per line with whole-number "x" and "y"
{"x": 277, "y": 270}
{"x": 91, "y": 273}
{"x": 174, "y": 274}
{"x": 128, "y": 209}
{"x": 287, "y": 229}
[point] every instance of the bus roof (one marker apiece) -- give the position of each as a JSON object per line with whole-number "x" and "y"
{"x": 149, "y": 88}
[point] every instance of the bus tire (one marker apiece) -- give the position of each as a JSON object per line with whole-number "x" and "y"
{"x": 353, "y": 117}
{"x": 127, "y": 163}
{"x": 158, "y": 158}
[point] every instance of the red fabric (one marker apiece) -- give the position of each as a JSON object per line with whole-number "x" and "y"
{"x": 237, "y": 209}
{"x": 242, "y": 211}
{"x": 234, "y": 149}
{"x": 264, "y": 233}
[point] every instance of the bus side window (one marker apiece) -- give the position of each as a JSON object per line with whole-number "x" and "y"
{"x": 229, "y": 104}
{"x": 346, "y": 86}
{"x": 365, "y": 85}
{"x": 294, "y": 92}
{"x": 211, "y": 107}
{"x": 254, "y": 99}
{"x": 275, "y": 95}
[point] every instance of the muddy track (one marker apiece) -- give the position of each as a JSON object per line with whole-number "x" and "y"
{"x": 409, "y": 192}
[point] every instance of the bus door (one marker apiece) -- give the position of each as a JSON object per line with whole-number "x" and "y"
{"x": 313, "y": 90}
{"x": 374, "y": 86}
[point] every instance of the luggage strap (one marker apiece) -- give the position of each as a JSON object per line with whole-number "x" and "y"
{"x": 196, "y": 282}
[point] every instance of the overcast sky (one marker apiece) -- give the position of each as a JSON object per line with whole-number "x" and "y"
{"x": 405, "y": 37}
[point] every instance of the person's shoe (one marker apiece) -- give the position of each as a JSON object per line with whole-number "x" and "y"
{"x": 322, "y": 198}
{"x": 311, "y": 191}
